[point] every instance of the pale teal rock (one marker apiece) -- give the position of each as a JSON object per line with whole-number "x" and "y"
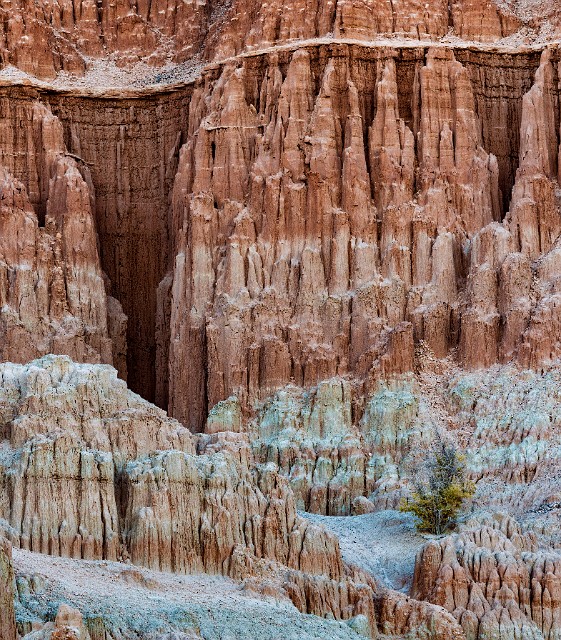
{"x": 225, "y": 416}
{"x": 322, "y": 412}
{"x": 516, "y": 428}
{"x": 389, "y": 419}
{"x": 360, "y": 625}
{"x": 154, "y": 611}
{"x": 310, "y": 435}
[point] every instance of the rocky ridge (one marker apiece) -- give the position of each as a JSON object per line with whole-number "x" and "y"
{"x": 400, "y": 256}
{"x": 46, "y": 38}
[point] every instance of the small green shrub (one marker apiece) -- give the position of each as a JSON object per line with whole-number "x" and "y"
{"x": 437, "y": 501}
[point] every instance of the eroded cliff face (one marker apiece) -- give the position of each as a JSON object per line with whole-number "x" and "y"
{"x": 496, "y": 579}
{"x": 131, "y": 147}
{"x": 250, "y": 25}
{"x": 7, "y": 596}
{"x": 52, "y": 288}
{"x": 86, "y": 483}
{"x": 315, "y": 211}
{"x": 332, "y": 217}
{"x": 338, "y": 242}
{"x": 46, "y": 37}
{"x": 80, "y": 480}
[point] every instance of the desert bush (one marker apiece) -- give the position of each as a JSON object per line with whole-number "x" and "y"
{"x": 440, "y": 491}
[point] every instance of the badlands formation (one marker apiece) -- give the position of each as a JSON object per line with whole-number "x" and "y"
{"x": 255, "y": 259}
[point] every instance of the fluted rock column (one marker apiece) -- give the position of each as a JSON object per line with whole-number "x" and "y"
{"x": 7, "y": 616}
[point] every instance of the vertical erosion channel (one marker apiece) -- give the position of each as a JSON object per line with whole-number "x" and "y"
{"x": 130, "y": 143}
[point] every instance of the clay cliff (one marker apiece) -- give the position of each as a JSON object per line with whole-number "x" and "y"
{"x": 53, "y": 291}
{"x": 320, "y": 236}
{"x": 45, "y": 38}
{"x": 329, "y": 218}
{"x": 86, "y": 483}
{"x": 7, "y": 620}
{"x": 313, "y": 211}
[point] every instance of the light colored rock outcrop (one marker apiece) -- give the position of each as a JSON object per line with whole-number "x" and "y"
{"x": 495, "y": 580}
{"x": 7, "y": 596}
{"x": 189, "y": 514}
{"x": 68, "y": 625}
{"x": 72, "y": 428}
{"x": 120, "y": 601}
{"x": 82, "y": 481}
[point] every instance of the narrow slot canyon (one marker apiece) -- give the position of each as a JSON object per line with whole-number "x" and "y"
{"x": 131, "y": 147}
{"x": 499, "y": 82}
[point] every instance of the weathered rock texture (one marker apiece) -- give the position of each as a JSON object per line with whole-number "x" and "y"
{"x": 68, "y": 479}
{"x": 339, "y": 205}
{"x": 52, "y": 291}
{"x": 89, "y": 470}
{"x": 7, "y": 596}
{"x": 44, "y": 38}
{"x": 132, "y": 149}
{"x": 251, "y": 25}
{"x": 505, "y": 420}
{"x": 80, "y": 479}
{"x": 121, "y": 602}
{"x": 303, "y": 213}
{"x": 293, "y": 254}
{"x": 68, "y": 625}
{"x": 334, "y": 208}
{"x": 111, "y": 163}
{"x": 495, "y": 580}
{"x": 58, "y": 479}
{"x": 332, "y": 464}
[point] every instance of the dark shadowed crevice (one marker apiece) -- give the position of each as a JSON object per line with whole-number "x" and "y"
{"x": 499, "y": 83}
{"x": 131, "y": 147}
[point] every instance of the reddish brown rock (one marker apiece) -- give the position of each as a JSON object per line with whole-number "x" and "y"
{"x": 484, "y": 21}
{"x": 286, "y": 235}
{"x": 344, "y": 599}
{"x": 44, "y": 38}
{"x": 47, "y": 37}
{"x": 259, "y": 26}
{"x": 401, "y": 616}
{"x": 397, "y": 149}
{"x": 306, "y": 286}
{"x": 52, "y": 289}
{"x": 220, "y": 510}
{"x": 132, "y": 166}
